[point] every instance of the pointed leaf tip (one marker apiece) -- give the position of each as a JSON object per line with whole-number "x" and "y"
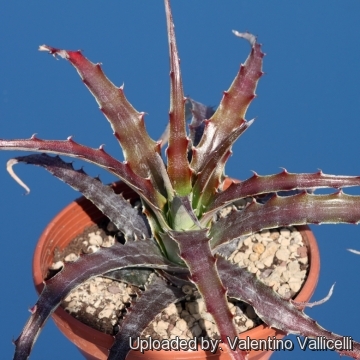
{"x": 54, "y": 51}
{"x": 315, "y": 303}
{"x": 246, "y": 35}
{"x": 230, "y": 114}
{"x": 9, "y": 168}
{"x": 177, "y": 151}
{"x": 357, "y": 252}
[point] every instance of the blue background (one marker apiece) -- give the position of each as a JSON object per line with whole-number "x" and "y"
{"x": 307, "y": 114}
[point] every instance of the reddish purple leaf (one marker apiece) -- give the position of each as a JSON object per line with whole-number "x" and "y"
{"x": 140, "y": 253}
{"x": 283, "y": 181}
{"x": 178, "y": 165}
{"x": 275, "y": 311}
{"x": 141, "y": 152}
{"x": 157, "y": 296}
{"x": 195, "y": 251}
{"x": 99, "y": 157}
{"x": 231, "y": 111}
{"x": 279, "y": 211}
{"x": 114, "y": 206}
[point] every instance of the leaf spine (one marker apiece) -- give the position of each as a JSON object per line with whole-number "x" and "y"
{"x": 33, "y": 309}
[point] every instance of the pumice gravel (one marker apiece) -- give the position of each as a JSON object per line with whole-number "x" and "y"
{"x": 278, "y": 257}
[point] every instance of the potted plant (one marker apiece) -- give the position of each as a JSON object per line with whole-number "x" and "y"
{"x": 179, "y": 201}
{"x": 94, "y": 344}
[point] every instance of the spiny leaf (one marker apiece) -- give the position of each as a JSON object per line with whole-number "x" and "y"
{"x": 158, "y": 296}
{"x": 195, "y": 251}
{"x": 178, "y": 165}
{"x": 99, "y": 157}
{"x": 209, "y": 178}
{"x": 231, "y": 111}
{"x": 271, "y": 308}
{"x": 135, "y": 253}
{"x": 112, "y": 205}
{"x": 141, "y": 152}
{"x": 283, "y": 181}
{"x": 279, "y": 211}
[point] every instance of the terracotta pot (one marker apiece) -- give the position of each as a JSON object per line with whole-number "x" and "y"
{"x": 94, "y": 344}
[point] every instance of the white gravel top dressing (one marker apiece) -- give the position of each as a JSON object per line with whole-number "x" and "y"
{"x": 278, "y": 257}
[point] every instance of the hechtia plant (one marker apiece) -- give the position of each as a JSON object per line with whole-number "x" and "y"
{"x": 179, "y": 240}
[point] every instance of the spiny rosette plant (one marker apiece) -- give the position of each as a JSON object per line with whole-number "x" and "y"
{"x": 177, "y": 238}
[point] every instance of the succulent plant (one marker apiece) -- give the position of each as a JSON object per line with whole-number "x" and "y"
{"x": 177, "y": 238}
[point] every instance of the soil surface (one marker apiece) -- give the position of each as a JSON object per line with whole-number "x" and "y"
{"x": 277, "y": 257}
